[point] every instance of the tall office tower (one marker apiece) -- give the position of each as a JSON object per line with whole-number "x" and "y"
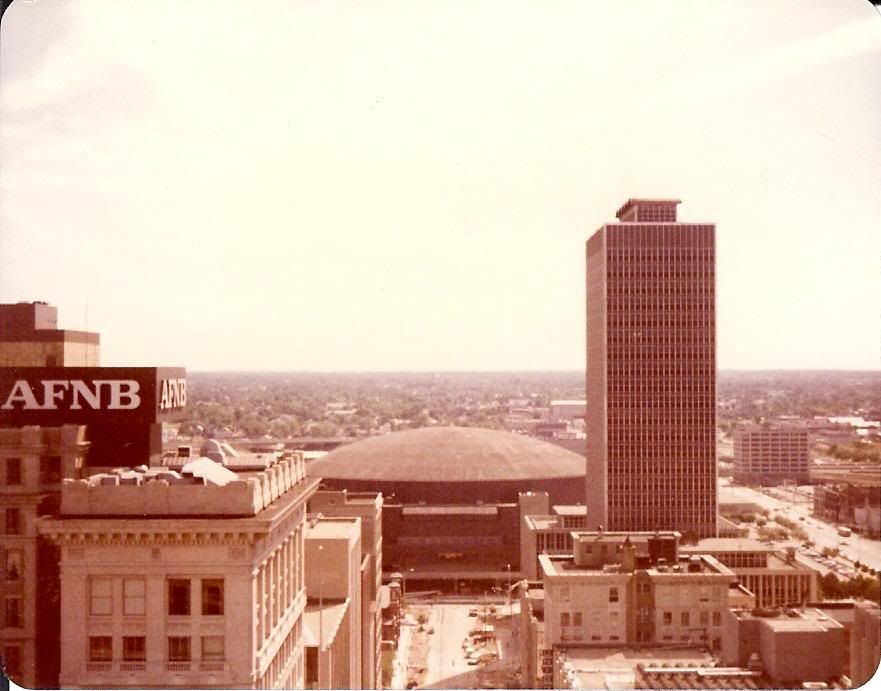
{"x": 651, "y": 372}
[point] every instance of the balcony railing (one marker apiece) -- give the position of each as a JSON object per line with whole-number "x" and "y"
{"x": 212, "y": 666}
{"x": 99, "y": 666}
{"x": 178, "y": 667}
{"x": 132, "y": 666}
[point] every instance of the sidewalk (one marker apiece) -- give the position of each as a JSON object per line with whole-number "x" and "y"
{"x": 402, "y": 654}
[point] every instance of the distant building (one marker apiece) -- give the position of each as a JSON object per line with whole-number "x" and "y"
{"x": 633, "y": 589}
{"x": 771, "y": 455}
{"x": 333, "y": 611}
{"x": 183, "y": 579}
{"x": 775, "y": 580}
{"x": 651, "y": 372}
{"x": 561, "y": 410}
{"x": 855, "y": 505}
{"x": 791, "y": 646}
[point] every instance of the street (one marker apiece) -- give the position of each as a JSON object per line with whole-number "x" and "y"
{"x": 853, "y": 548}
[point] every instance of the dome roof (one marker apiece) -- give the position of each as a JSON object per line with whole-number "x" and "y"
{"x": 449, "y": 455}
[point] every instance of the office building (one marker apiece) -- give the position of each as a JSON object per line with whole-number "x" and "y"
{"x": 789, "y": 646}
{"x": 775, "y": 579}
{"x": 333, "y": 610}
{"x": 771, "y": 455}
{"x": 30, "y": 337}
{"x": 368, "y": 507}
{"x": 651, "y": 372}
{"x": 620, "y": 589}
{"x": 190, "y": 578}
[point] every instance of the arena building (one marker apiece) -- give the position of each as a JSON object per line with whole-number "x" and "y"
{"x": 454, "y": 498}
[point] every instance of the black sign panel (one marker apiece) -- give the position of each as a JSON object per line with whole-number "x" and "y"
{"x": 90, "y": 395}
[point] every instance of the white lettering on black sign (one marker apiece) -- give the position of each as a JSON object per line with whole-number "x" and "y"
{"x": 109, "y": 394}
{"x": 173, "y": 394}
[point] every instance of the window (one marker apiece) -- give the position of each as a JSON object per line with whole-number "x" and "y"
{"x": 100, "y": 648}
{"x": 12, "y": 569}
{"x": 13, "y": 522}
{"x": 134, "y": 648}
{"x": 704, "y": 618}
{"x": 133, "y": 596}
{"x": 212, "y": 648}
{"x": 613, "y": 595}
{"x": 212, "y": 596}
{"x": 50, "y": 470}
{"x": 564, "y": 618}
{"x": 101, "y": 596}
{"x": 12, "y": 660}
{"x": 13, "y": 611}
{"x": 684, "y": 619}
{"x": 178, "y": 596}
{"x": 13, "y": 471}
{"x": 179, "y": 648}
{"x": 576, "y": 619}
{"x": 717, "y": 619}
{"x": 668, "y": 618}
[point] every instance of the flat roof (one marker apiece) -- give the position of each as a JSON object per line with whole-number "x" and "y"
{"x": 570, "y": 509}
{"x": 331, "y": 527}
{"x": 727, "y": 544}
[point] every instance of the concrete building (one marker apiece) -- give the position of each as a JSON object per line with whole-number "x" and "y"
{"x": 771, "y": 455}
{"x": 651, "y": 372}
{"x": 33, "y": 461}
{"x": 633, "y": 589}
{"x": 865, "y": 645}
{"x": 30, "y": 337}
{"x": 368, "y": 507}
{"x": 790, "y": 646}
{"x": 183, "y": 579}
{"x": 775, "y": 579}
{"x": 333, "y": 612}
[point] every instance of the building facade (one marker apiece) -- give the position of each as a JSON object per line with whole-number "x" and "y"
{"x": 771, "y": 455}
{"x": 333, "y": 612}
{"x": 651, "y": 372}
{"x": 183, "y": 579}
{"x": 368, "y": 507}
{"x": 30, "y": 337}
{"x": 33, "y": 461}
{"x": 865, "y": 646}
{"x": 621, "y": 589}
{"x": 775, "y": 579}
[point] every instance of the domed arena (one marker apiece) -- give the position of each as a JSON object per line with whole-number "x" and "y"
{"x": 454, "y": 465}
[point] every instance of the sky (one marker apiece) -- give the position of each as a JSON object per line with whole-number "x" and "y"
{"x": 409, "y": 185}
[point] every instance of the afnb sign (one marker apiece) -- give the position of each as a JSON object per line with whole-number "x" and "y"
{"x": 74, "y": 394}
{"x": 83, "y": 395}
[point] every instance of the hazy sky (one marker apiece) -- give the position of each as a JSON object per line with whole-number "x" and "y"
{"x": 409, "y": 185}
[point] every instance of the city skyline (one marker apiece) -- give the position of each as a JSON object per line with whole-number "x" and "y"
{"x": 399, "y": 206}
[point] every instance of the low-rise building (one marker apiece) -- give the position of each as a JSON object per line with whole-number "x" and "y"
{"x": 190, "y": 578}
{"x": 775, "y": 579}
{"x": 790, "y": 646}
{"x": 853, "y": 504}
{"x": 633, "y": 588}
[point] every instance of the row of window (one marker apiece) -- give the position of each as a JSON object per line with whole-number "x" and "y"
{"x": 12, "y": 565}
{"x": 12, "y": 611}
{"x": 12, "y": 524}
{"x": 134, "y": 596}
{"x": 50, "y": 471}
{"x": 134, "y": 648}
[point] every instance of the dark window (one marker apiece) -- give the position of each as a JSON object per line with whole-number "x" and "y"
{"x": 311, "y": 666}
{"x": 134, "y": 648}
{"x": 613, "y": 595}
{"x": 13, "y": 611}
{"x": 100, "y": 648}
{"x": 13, "y": 522}
{"x": 212, "y": 596}
{"x": 13, "y": 471}
{"x": 179, "y": 648}
{"x": 178, "y": 596}
{"x": 50, "y": 470}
